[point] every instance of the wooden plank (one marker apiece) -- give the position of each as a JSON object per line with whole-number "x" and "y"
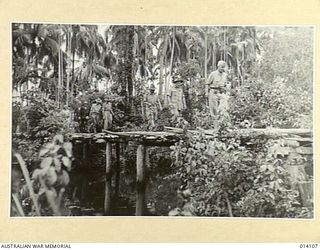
{"x": 172, "y": 132}
{"x": 107, "y": 198}
{"x": 142, "y": 134}
{"x": 280, "y": 131}
{"x": 81, "y": 136}
{"x": 164, "y": 143}
{"x": 141, "y": 180}
{"x": 139, "y": 132}
{"x": 300, "y": 139}
{"x": 105, "y": 136}
{"x": 267, "y": 131}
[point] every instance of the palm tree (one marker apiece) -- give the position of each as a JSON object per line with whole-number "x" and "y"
{"x": 171, "y": 45}
{"x": 89, "y": 44}
{"x": 35, "y": 46}
{"x": 243, "y": 48}
{"x": 162, "y": 43}
{"x": 122, "y": 47}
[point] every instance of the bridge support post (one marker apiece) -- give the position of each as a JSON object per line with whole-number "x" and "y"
{"x": 107, "y": 197}
{"x": 84, "y": 179}
{"x": 118, "y": 168}
{"x": 141, "y": 180}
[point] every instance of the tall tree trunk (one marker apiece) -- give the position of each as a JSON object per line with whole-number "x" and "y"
{"x": 254, "y": 34}
{"x": 162, "y": 65}
{"x": 73, "y": 77}
{"x": 129, "y": 62}
{"x": 161, "y": 77}
{"x": 214, "y": 55}
{"x": 136, "y": 56}
{"x": 60, "y": 77}
{"x": 68, "y": 67}
{"x": 145, "y": 54}
{"x": 172, "y": 51}
{"x": 59, "y": 73}
{"x": 224, "y": 43}
{"x": 205, "y": 52}
{"x": 166, "y": 87}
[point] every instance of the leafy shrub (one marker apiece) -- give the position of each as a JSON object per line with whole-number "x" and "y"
{"x": 224, "y": 176}
{"x": 43, "y": 193}
{"x": 40, "y": 120}
{"x": 263, "y": 104}
{"x": 288, "y": 55}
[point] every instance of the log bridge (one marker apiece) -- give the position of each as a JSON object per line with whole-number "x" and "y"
{"x": 145, "y": 139}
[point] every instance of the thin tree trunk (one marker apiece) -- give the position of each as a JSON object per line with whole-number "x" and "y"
{"x": 214, "y": 55}
{"x": 224, "y": 44}
{"x": 136, "y": 56}
{"x": 161, "y": 78}
{"x": 205, "y": 53}
{"x": 72, "y": 78}
{"x": 162, "y": 65}
{"x": 229, "y": 207}
{"x": 254, "y": 41}
{"x": 128, "y": 63}
{"x": 165, "y": 70}
{"x": 59, "y": 75}
{"x": 145, "y": 53}
{"x": 165, "y": 82}
{"x": 172, "y": 51}
{"x": 68, "y": 67}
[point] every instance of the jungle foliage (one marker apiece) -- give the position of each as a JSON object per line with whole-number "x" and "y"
{"x": 58, "y": 67}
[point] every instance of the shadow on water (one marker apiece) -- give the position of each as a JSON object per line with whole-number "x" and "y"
{"x": 87, "y": 184}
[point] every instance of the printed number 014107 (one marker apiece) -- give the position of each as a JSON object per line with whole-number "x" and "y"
{"x": 308, "y": 245}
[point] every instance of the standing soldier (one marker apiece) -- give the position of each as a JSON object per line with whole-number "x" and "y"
{"x": 152, "y": 103}
{"x": 84, "y": 116}
{"x": 177, "y": 101}
{"x": 96, "y": 115}
{"x": 215, "y": 87}
{"x": 235, "y": 82}
{"x": 77, "y": 113}
{"x": 66, "y": 113}
{"x": 107, "y": 114}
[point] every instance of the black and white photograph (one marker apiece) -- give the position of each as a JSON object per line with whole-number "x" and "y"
{"x": 162, "y": 120}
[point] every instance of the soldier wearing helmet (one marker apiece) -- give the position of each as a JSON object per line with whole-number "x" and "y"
{"x": 151, "y": 103}
{"x": 96, "y": 115}
{"x": 107, "y": 114}
{"x": 84, "y": 116}
{"x": 177, "y": 101}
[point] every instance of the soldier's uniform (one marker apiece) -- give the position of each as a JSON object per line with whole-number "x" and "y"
{"x": 84, "y": 116}
{"x": 216, "y": 87}
{"x": 66, "y": 113}
{"x": 107, "y": 114}
{"x": 177, "y": 100}
{"x": 151, "y": 106}
{"x": 77, "y": 113}
{"x": 96, "y": 115}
